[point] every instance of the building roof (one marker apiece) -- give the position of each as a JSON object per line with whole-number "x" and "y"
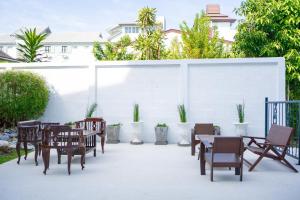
{"x": 172, "y": 30}
{"x": 74, "y": 37}
{"x": 4, "y": 56}
{"x": 214, "y": 13}
{"x": 7, "y": 39}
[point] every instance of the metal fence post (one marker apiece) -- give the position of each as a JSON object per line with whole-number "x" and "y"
{"x": 266, "y": 116}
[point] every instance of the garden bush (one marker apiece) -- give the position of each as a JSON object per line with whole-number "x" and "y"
{"x": 23, "y": 96}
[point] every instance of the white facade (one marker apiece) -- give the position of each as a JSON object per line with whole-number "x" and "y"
{"x": 58, "y": 47}
{"x": 209, "y": 88}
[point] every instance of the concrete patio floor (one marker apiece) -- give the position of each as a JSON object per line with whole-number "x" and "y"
{"x": 143, "y": 172}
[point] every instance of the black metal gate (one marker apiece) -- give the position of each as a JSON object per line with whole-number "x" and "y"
{"x": 286, "y": 113}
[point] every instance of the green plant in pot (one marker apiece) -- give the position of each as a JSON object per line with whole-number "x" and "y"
{"x": 113, "y": 133}
{"x": 137, "y": 125}
{"x": 161, "y": 134}
{"x": 241, "y": 126}
{"x": 183, "y": 126}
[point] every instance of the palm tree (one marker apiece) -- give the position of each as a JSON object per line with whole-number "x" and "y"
{"x": 146, "y": 18}
{"x": 30, "y": 44}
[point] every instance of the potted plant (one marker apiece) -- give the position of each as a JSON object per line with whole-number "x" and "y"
{"x": 241, "y": 125}
{"x": 183, "y": 127}
{"x": 113, "y": 133}
{"x": 136, "y": 126}
{"x": 161, "y": 134}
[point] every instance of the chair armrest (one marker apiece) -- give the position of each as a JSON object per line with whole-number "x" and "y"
{"x": 268, "y": 143}
{"x": 253, "y": 137}
{"x": 207, "y": 144}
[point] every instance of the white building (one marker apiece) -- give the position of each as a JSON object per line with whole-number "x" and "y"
{"x": 58, "y": 47}
{"x": 131, "y": 29}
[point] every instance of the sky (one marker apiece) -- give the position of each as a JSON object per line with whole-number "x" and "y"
{"x": 98, "y": 15}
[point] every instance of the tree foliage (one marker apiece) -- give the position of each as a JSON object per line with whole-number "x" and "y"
{"x": 114, "y": 51}
{"x": 175, "y": 50}
{"x": 200, "y": 40}
{"x": 271, "y": 29}
{"x": 31, "y": 43}
{"x": 150, "y": 43}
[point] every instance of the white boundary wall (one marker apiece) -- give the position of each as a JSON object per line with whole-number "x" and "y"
{"x": 210, "y": 89}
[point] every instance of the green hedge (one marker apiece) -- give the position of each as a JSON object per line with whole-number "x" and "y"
{"x": 23, "y": 96}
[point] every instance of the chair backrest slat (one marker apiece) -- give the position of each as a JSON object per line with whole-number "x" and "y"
{"x": 204, "y": 129}
{"x": 228, "y": 145}
{"x": 280, "y": 135}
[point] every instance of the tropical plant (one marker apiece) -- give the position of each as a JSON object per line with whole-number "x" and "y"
{"x": 23, "y": 96}
{"x": 150, "y": 42}
{"x": 182, "y": 113}
{"x": 161, "y": 125}
{"x": 90, "y": 110}
{"x": 136, "y": 114}
{"x": 271, "y": 29}
{"x": 200, "y": 40}
{"x": 30, "y": 44}
{"x": 241, "y": 112}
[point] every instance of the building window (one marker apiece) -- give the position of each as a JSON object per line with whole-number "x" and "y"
{"x": 47, "y": 49}
{"x": 64, "y": 49}
{"x": 1, "y": 48}
{"x": 126, "y": 29}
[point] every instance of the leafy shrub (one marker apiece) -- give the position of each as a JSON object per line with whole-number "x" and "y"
{"x": 162, "y": 125}
{"x": 23, "y": 96}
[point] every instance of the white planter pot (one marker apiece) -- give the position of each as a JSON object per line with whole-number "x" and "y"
{"x": 241, "y": 128}
{"x": 184, "y": 130}
{"x": 137, "y": 132}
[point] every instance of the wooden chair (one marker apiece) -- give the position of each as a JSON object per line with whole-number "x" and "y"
{"x": 29, "y": 132}
{"x": 274, "y": 146}
{"x": 226, "y": 152}
{"x": 67, "y": 141}
{"x": 201, "y": 129}
{"x": 94, "y": 124}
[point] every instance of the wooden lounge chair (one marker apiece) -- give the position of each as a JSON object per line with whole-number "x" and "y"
{"x": 274, "y": 146}
{"x": 94, "y": 124}
{"x": 67, "y": 141}
{"x": 200, "y": 129}
{"x": 226, "y": 152}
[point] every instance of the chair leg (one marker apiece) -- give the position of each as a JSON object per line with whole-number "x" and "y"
{"x": 193, "y": 149}
{"x": 255, "y": 163}
{"x": 69, "y": 162}
{"x": 82, "y": 161}
{"x": 36, "y": 151}
{"x": 241, "y": 173}
{"x": 18, "y": 152}
{"x": 289, "y": 165}
{"x": 102, "y": 143}
{"x": 26, "y": 150}
{"x": 211, "y": 173}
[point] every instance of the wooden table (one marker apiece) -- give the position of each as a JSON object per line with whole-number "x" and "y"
{"x": 206, "y": 142}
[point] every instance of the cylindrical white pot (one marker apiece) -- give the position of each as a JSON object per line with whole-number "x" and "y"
{"x": 137, "y": 132}
{"x": 241, "y": 128}
{"x": 184, "y": 130}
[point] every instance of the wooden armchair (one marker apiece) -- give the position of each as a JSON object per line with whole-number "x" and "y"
{"x": 274, "y": 146}
{"x": 67, "y": 141}
{"x": 201, "y": 129}
{"x": 226, "y": 152}
{"x": 29, "y": 132}
{"x": 94, "y": 124}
